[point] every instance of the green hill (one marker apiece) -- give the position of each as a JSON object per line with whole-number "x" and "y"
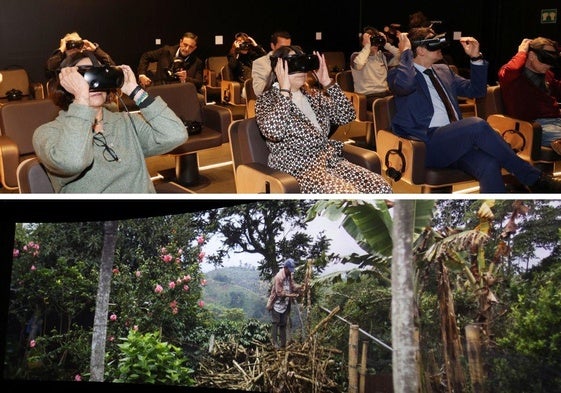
{"x": 237, "y": 287}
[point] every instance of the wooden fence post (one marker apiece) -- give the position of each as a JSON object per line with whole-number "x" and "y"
{"x": 363, "y": 368}
{"x": 353, "y": 359}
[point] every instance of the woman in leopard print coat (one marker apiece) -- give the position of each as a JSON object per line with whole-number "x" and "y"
{"x": 296, "y": 124}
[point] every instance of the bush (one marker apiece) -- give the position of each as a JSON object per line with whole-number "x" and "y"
{"x": 146, "y": 359}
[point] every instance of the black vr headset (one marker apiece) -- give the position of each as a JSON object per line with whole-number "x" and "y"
{"x": 433, "y": 43}
{"x": 298, "y": 63}
{"x": 378, "y": 40}
{"x": 101, "y": 77}
{"x": 548, "y": 57}
{"x": 74, "y": 44}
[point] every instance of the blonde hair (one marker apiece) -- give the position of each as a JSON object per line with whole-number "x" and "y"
{"x": 74, "y": 36}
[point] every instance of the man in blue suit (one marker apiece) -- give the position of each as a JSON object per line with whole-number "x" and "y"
{"x": 468, "y": 144}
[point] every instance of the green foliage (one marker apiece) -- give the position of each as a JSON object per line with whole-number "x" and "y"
{"x": 54, "y": 286}
{"x": 55, "y": 356}
{"x": 272, "y": 229}
{"x": 364, "y": 300}
{"x": 144, "y": 358}
{"x": 533, "y": 340}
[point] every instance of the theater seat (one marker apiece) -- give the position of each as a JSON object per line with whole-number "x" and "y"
{"x": 183, "y": 100}
{"x": 404, "y": 159}
{"x": 362, "y": 129}
{"x": 250, "y": 156}
{"x": 18, "y": 122}
{"x": 32, "y": 177}
{"x": 524, "y": 137}
{"x": 18, "y": 79}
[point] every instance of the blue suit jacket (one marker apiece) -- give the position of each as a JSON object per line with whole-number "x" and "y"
{"x": 414, "y": 107}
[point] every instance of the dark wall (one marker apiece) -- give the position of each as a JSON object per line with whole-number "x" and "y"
{"x": 31, "y": 29}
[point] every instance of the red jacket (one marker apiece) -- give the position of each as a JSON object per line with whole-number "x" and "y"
{"x": 521, "y": 98}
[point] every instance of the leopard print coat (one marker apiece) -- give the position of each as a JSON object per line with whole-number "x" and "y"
{"x": 306, "y": 152}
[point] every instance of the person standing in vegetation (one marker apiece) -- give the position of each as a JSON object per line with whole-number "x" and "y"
{"x": 283, "y": 291}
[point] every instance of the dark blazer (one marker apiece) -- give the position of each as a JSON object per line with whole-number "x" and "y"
{"x": 164, "y": 57}
{"x": 414, "y": 107}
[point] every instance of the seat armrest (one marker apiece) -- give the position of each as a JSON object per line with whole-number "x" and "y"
{"x": 9, "y": 161}
{"x": 389, "y": 144}
{"x": 256, "y": 178}
{"x": 362, "y": 132}
{"x": 359, "y": 103}
{"x": 218, "y": 118}
{"x": 210, "y": 78}
{"x": 36, "y": 90}
{"x": 211, "y": 94}
{"x": 524, "y": 137}
{"x": 363, "y": 157}
{"x": 231, "y": 92}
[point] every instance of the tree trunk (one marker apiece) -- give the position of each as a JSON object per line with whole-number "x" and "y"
{"x": 97, "y": 363}
{"x": 405, "y": 345}
{"x": 476, "y": 371}
{"x": 450, "y": 334}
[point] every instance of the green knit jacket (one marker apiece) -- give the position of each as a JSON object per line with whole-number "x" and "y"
{"x": 76, "y": 164}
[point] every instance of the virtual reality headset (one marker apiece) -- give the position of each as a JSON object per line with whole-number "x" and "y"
{"x": 102, "y": 78}
{"x": 548, "y": 57}
{"x": 433, "y": 43}
{"x": 298, "y": 63}
{"x": 74, "y": 44}
{"x": 245, "y": 45}
{"x": 378, "y": 40}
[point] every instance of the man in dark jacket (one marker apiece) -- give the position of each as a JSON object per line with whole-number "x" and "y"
{"x": 175, "y": 63}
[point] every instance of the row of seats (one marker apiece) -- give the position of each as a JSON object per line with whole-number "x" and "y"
{"x": 398, "y": 158}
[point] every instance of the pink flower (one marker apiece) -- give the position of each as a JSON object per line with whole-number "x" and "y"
{"x": 180, "y": 251}
{"x": 201, "y": 304}
{"x": 164, "y": 250}
{"x": 137, "y": 273}
{"x": 15, "y": 254}
{"x": 32, "y": 343}
{"x": 113, "y": 317}
{"x": 186, "y": 287}
{"x": 167, "y": 258}
{"x": 158, "y": 288}
{"x": 200, "y": 240}
{"x": 201, "y": 255}
{"x": 78, "y": 378}
{"x": 33, "y": 268}
{"x": 111, "y": 338}
{"x": 171, "y": 284}
{"x": 187, "y": 278}
{"x": 135, "y": 328}
{"x": 203, "y": 282}
{"x": 115, "y": 271}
